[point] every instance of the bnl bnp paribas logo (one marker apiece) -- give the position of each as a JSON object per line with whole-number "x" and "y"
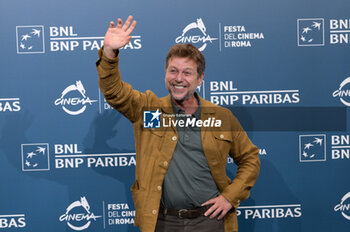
{"x": 35, "y": 157}
{"x": 30, "y": 40}
{"x": 310, "y": 32}
{"x": 196, "y": 33}
{"x": 73, "y": 99}
{"x": 312, "y": 148}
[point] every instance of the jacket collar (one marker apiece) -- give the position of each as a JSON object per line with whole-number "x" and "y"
{"x": 206, "y": 106}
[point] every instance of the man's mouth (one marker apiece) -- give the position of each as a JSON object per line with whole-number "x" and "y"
{"x": 179, "y": 86}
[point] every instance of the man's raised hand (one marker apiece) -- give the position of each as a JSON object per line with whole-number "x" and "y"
{"x": 118, "y": 36}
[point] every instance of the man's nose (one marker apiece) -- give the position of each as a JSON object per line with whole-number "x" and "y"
{"x": 179, "y": 77}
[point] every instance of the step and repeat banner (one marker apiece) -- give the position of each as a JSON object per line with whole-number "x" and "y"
{"x": 67, "y": 160}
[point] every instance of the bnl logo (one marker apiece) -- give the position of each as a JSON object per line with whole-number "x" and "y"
{"x": 30, "y": 39}
{"x": 311, "y": 32}
{"x": 312, "y": 148}
{"x": 35, "y": 157}
{"x": 151, "y": 119}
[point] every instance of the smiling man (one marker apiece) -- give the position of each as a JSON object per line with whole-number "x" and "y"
{"x": 181, "y": 182}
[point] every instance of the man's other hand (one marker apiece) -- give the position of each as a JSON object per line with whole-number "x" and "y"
{"x": 220, "y": 207}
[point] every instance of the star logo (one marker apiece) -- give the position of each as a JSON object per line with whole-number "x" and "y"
{"x": 151, "y": 118}
{"x": 312, "y": 148}
{"x": 35, "y": 157}
{"x": 310, "y": 32}
{"x": 156, "y": 115}
{"x": 30, "y": 39}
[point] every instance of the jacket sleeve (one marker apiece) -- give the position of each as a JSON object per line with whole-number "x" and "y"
{"x": 246, "y": 156}
{"x": 120, "y": 95}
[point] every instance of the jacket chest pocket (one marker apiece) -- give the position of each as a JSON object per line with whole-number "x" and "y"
{"x": 156, "y": 139}
{"x": 223, "y": 141}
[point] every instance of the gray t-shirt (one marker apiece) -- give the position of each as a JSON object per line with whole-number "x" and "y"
{"x": 188, "y": 182}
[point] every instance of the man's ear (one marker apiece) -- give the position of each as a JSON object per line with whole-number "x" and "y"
{"x": 200, "y": 79}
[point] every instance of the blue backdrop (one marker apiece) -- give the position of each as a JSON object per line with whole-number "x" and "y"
{"x": 67, "y": 160}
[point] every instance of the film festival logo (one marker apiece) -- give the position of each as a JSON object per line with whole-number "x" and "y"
{"x": 78, "y": 215}
{"x": 311, "y": 32}
{"x": 312, "y": 148}
{"x": 344, "y": 206}
{"x": 343, "y": 92}
{"x": 195, "y": 33}
{"x": 35, "y": 157}
{"x": 73, "y": 99}
{"x": 30, "y": 39}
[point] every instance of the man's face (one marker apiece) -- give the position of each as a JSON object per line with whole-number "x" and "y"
{"x": 181, "y": 78}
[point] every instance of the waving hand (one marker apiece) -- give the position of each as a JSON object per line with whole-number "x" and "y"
{"x": 118, "y": 36}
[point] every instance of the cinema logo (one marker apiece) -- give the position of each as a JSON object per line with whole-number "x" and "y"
{"x": 224, "y": 93}
{"x": 196, "y": 34}
{"x": 73, "y": 99}
{"x": 30, "y": 40}
{"x": 78, "y": 216}
{"x": 344, "y": 206}
{"x": 343, "y": 92}
{"x": 313, "y": 147}
{"x": 270, "y": 211}
{"x": 12, "y": 221}
{"x": 10, "y": 105}
{"x": 235, "y": 36}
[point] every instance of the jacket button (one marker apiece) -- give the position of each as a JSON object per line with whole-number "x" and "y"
{"x": 174, "y": 138}
{"x": 222, "y": 136}
{"x": 165, "y": 163}
{"x": 154, "y": 211}
{"x": 159, "y": 187}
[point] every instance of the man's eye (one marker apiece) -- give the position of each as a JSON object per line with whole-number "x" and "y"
{"x": 172, "y": 71}
{"x": 188, "y": 73}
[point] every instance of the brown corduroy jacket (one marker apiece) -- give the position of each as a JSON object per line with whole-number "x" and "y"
{"x": 155, "y": 147}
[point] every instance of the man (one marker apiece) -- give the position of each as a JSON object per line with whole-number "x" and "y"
{"x": 181, "y": 182}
